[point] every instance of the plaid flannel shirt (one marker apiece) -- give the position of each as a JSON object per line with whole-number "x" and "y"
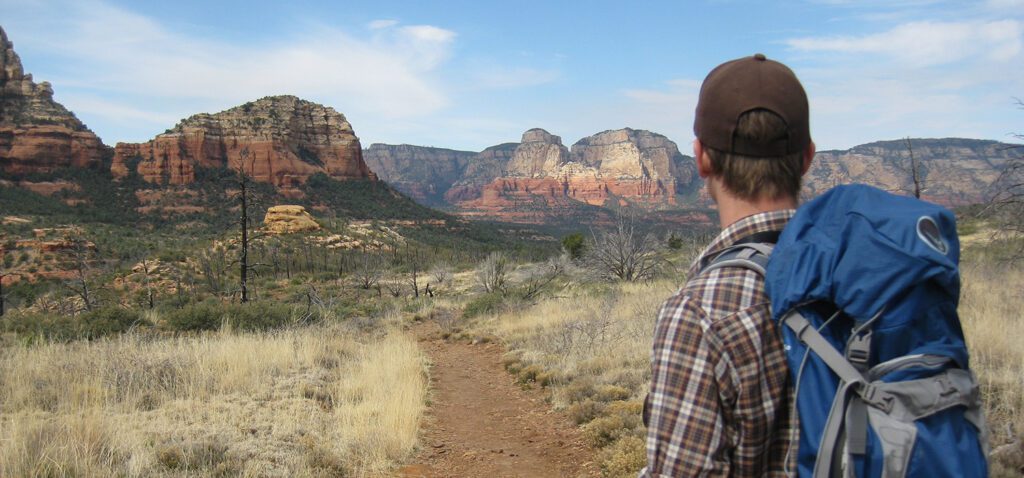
{"x": 720, "y": 395}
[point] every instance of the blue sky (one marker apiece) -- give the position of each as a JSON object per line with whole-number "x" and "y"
{"x": 470, "y": 74}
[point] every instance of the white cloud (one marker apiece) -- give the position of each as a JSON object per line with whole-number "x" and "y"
{"x": 502, "y": 77}
{"x": 927, "y": 43}
{"x": 117, "y": 111}
{"x": 921, "y": 78}
{"x": 381, "y": 24}
{"x": 116, "y": 54}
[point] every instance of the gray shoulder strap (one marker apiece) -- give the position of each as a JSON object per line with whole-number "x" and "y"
{"x": 753, "y": 256}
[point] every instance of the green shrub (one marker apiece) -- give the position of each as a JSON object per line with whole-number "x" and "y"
{"x": 611, "y": 393}
{"x": 602, "y": 431}
{"x": 535, "y": 374}
{"x": 484, "y": 304}
{"x": 109, "y": 320}
{"x": 193, "y": 317}
{"x": 624, "y": 458}
{"x": 585, "y": 411}
{"x": 675, "y": 242}
{"x": 617, "y": 420}
{"x": 211, "y": 315}
{"x": 59, "y": 328}
{"x": 43, "y": 326}
{"x": 574, "y": 244}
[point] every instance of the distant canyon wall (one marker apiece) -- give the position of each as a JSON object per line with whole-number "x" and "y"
{"x": 37, "y": 134}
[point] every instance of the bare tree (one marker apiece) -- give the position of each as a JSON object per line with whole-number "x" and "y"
{"x": 492, "y": 272}
{"x": 915, "y": 170}
{"x": 148, "y": 267}
{"x": 1005, "y": 206}
{"x": 79, "y": 256}
{"x": 442, "y": 274}
{"x": 545, "y": 275}
{"x": 414, "y": 259}
{"x": 243, "y": 223}
{"x": 394, "y": 287}
{"x": 213, "y": 264}
{"x": 368, "y": 271}
{"x": 623, "y": 253}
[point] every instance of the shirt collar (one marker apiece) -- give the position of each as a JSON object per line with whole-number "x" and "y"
{"x": 755, "y": 223}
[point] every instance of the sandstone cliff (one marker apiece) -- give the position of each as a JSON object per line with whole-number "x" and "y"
{"x": 37, "y": 134}
{"x": 616, "y": 168}
{"x": 955, "y": 171}
{"x": 284, "y": 140}
{"x": 422, "y": 173}
{"x": 540, "y": 180}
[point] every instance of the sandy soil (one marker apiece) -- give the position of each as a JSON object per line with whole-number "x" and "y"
{"x": 482, "y": 424}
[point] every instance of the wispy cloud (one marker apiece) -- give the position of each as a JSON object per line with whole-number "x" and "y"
{"x": 117, "y": 53}
{"x": 503, "y": 77}
{"x": 916, "y": 78}
{"x": 927, "y": 43}
{"x": 379, "y": 24}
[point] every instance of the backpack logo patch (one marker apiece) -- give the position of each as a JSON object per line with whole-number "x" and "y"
{"x": 929, "y": 232}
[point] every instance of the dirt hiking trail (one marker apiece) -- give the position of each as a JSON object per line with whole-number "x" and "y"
{"x": 482, "y": 424}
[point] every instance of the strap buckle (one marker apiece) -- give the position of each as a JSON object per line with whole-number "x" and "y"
{"x": 858, "y": 351}
{"x": 877, "y": 398}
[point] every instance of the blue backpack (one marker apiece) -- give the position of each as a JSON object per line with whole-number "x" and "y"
{"x": 864, "y": 287}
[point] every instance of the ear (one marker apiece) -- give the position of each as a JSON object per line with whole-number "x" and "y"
{"x": 808, "y": 157}
{"x": 703, "y": 162}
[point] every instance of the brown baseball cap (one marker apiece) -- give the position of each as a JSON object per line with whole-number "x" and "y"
{"x": 754, "y": 82}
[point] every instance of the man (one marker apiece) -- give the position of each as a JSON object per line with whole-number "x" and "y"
{"x": 719, "y": 403}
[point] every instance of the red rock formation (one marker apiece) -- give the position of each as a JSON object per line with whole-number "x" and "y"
{"x": 614, "y": 168}
{"x": 284, "y": 140}
{"x": 37, "y": 134}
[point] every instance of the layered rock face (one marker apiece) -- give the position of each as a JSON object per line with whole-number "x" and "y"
{"x": 636, "y": 165}
{"x": 480, "y": 171}
{"x": 281, "y": 140}
{"x": 623, "y": 167}
{"x": 955, "y": 172}
{"x": 422, "y": 173}
{"x": 37, "y": 134}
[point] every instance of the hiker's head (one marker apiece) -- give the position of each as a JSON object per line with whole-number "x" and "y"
{"x": 753, "y": 130}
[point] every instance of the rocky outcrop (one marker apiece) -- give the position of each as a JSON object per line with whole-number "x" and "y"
{"x": 635, "y": 165}
{"x": 540, "y": 154}
{"x": 619, "y": 168}
{"x": 955, "y": 172}
{"x": 481, "y": 170}
{"x": 37, "y": 134}
{"x": 289, "y": 219}
{"x": 281, "y": 140}
{"x": 422, "y": 173}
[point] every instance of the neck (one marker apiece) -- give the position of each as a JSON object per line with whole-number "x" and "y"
{"x": 732, "y": 208}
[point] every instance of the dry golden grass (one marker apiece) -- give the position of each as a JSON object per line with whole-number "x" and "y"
{"x": 990, "y": 312}
{"x": 593, "y": 348}
{"x": 602, "y": 337}
{"x": 306, "y": 402}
